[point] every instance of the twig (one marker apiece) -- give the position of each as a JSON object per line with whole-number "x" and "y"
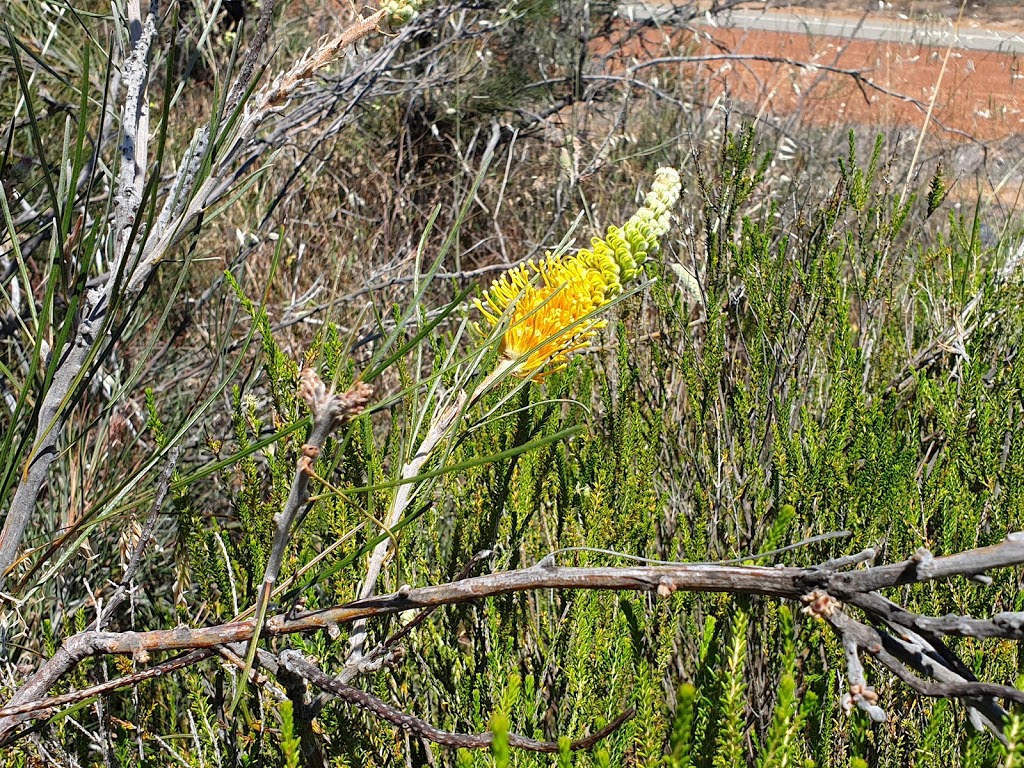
{"x": 252, "y": 56}
{"x": 294, "y": 661}
{"x": 43, "y": 705}
{"x": 856, "y": 75}
{"x": 904, "y": 642}
{"x": 383, "y": 651}
{"x": 329, "y": 411}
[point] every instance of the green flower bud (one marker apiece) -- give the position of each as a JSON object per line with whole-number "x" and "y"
{"x": 639, "y": 238}
{"x": 400, "y": 12}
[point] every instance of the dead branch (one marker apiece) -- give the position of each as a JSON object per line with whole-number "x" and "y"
{"x": 76, "y": 353}
{"x": 906, "y": 643}
{"x": 294, "y": 661}
{"x": 329, "y": 411}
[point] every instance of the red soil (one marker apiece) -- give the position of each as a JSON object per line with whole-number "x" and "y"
{"x": 980, "y": 94}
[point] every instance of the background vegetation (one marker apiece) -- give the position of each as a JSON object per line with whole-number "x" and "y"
{"x": 825, "y": 347}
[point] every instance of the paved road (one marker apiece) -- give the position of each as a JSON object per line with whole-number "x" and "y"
{"x": 938, "y": 34}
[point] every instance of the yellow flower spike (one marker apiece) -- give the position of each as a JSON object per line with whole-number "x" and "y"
{"x": 550, "y": 305}
{"x": 640, "y": 236}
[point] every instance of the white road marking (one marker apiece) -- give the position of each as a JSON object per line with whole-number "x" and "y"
{"x": 933, "y": 34}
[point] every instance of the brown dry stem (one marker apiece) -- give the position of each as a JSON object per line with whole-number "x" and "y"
{"x": 910, "y": 645}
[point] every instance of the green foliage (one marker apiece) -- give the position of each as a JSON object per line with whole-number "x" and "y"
{"x": 499, "y": 746}
{"x": 793, "y": 414}
{"x": 682, "y": 755}
{"x": 840, "y": 365}
{"x": 936, "y": 189}
{"x": 290, "y": 746}
{"x": 729, "y": 741}
{"x": 793, "y": 419}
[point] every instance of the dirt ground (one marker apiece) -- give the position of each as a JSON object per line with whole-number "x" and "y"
{"x": 978, "y": 95}
{"x": 971, "y": 103}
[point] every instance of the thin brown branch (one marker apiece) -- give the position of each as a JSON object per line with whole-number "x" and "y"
{"x": 912, "y": 649}
{"x": 908, "y": 656}
{"x": 44, "y": 705}
{"x": 385, "y": 650}
{"x": 773, "y": 582}
{"x": 294, "y": 661}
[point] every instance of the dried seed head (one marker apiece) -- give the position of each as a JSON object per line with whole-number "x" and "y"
{"x": 324, "y": 404}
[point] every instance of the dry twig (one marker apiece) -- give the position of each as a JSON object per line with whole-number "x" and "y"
{"x": 908, "y": 644}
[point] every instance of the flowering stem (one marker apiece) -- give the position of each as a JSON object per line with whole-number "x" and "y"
{"x": 440, "y": 426}
{"x": 504, "y": 365}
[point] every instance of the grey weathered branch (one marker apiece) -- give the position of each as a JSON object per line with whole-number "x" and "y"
{"x": 131, "y": 180}
{"x": 293, "y": 661}
{"x": 906, "y": 643}
{"x": 266, "y": 102}
{"x": 136, "y": 257}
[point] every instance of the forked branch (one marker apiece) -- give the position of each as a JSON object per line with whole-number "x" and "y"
{"x": 908, "y": 644}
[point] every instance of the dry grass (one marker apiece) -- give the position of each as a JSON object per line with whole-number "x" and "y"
{"x": 380, "y": 144}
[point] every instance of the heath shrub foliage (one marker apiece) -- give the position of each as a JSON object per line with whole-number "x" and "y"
{"x": 757, "y": 356}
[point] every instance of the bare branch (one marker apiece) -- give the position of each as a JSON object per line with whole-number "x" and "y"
{"x": 330, "y": 411}
{"x": 44, "y": 705}
{"x": 863, "y": 83}
{"x": 297, "y": 664}
{"x": 924, "y": 567}
{"x": 385, "y": 650}
{"x": 906, "y": 643}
